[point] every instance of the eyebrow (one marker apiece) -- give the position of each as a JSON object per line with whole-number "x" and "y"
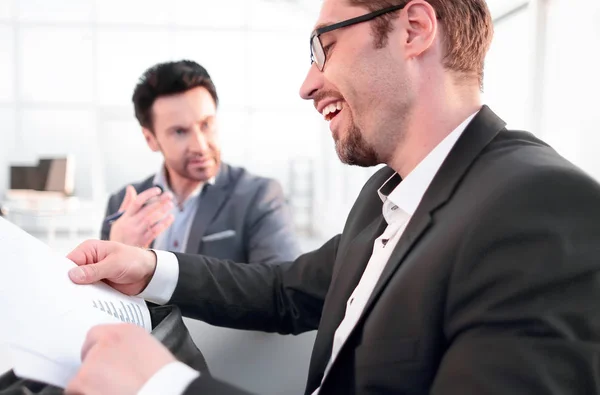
{"x": 204, "y": 119}
{"x": 208, "y": 118}
{"x": 322, "y": 25}
{"x": 176, "y": 127}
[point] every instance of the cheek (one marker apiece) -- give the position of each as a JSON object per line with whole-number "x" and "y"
{"x": 175, "y": 149}
{"x": 358, "y": 85}
{"x": 214, "y": 147}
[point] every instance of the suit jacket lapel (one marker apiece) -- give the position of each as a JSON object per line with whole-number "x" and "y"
{"x": 350, "y": 269}
{"x": 479, "y": 133}
{"x": 212, "y": 199}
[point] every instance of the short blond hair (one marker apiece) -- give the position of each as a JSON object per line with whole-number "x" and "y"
{"x": 467, "y": 25}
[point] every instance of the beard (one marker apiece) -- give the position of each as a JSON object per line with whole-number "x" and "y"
{"x": 183, "y": 170}
{"x": 354, "y": 150}
{"x": 181, "y": 166}
{"x": 196, "y": 174}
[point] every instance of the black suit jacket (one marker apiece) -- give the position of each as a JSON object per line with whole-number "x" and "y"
{"x": 242, "y": 217}
{"x": 493, "y": 287}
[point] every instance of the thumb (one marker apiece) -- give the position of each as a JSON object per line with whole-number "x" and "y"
{"x": 130, "y": 195}
{"x": 88, "y": 274}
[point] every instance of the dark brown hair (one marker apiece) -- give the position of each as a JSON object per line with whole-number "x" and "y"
{"x": 165, "y": 79}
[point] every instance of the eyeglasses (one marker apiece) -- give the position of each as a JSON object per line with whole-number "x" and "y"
{"x": 317, "y": 54}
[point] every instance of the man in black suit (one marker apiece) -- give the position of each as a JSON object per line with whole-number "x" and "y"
{"x": 468, "y": 265}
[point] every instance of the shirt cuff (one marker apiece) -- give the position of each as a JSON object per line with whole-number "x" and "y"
{"x": 173, "y": 379}
{"x": 163, "y": 283}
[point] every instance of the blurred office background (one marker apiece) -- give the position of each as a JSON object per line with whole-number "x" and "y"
{"x": 68, "y": 68}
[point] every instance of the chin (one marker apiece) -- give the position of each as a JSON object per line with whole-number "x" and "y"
{"x": 202, "y": 175}
{"x": 356, "y": 153}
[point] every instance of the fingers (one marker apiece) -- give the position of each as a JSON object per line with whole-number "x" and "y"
{"x": 141, "y": 199}
{"x": 108, "y": 334}
{"x": 86, "y": 252}
{"x": 83, "y": 380}
{"x": 130, "y": 196}
{"x": 108, "y": 268}
{"x": 155, "y": 211}
{"x": 145, "y": 211}
{"x": 74, "y": 387}
{"x": 155, "y": 230}
{"x": 91, "y": 339}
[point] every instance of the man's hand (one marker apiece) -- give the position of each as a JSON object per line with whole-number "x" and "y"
{"x": 145, "y": 217}
{"x": 127, "y": 269}
{"x": 118, "y": 359}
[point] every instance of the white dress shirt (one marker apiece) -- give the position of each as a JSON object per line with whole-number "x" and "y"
{"x": 175, "y": 377}
{"x": 398, "y": 208}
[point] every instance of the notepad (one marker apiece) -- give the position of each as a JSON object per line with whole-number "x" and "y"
{"x": 46, "y": 316}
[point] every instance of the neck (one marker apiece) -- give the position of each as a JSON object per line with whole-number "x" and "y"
{"x": 180, "y": 186}
{"x": 435, "y": 115}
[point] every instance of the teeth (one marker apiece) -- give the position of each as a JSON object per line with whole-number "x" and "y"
{"x": 333, "y": 107}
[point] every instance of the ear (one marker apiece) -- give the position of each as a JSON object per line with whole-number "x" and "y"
{"x": 151, "y": 140}
{"x": 422, "y": 27}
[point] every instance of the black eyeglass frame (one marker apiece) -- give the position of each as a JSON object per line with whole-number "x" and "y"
{"x": 348, "y": 22}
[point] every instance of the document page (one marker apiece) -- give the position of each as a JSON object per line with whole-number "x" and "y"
{"x": 47, "y": 316}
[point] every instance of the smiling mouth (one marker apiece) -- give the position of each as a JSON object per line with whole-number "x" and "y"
{"x": 332, "y": 110}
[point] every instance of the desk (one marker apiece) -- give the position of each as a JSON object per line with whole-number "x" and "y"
{"x": 42, "y": 211}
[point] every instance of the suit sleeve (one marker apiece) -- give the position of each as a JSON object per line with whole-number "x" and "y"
{"x": 269, "y": 227}
{"x": 113, "y": 205}
{"x": 210, "y": 386}
{"x": 286, "y": 298}
{"x": 522, "y": 312}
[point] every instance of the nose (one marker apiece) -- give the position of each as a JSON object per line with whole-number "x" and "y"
{"x": 199, "y": 142}
{"x": 312, "y": 83}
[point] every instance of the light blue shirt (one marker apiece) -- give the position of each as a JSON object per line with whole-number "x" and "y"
{"x": 175, "y": 238}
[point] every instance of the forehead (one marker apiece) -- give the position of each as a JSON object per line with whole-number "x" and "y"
{"x": 184, "y": 108}
{"x": 333, "y": 11}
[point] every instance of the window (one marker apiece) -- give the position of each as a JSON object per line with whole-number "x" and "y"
{"x": 56, "y": 65}
{"x": 7, "y": 65}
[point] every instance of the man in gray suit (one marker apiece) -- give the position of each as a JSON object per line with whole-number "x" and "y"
{"x": 208, "y": 207}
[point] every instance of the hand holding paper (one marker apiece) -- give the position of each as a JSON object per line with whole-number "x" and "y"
{"x": 127, "y": 269}
{"x": 118, "y": 360}
{"x": 49, "y": 315}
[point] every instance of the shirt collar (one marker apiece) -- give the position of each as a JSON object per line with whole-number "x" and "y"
{"x": 160, "y": 179}
{"x": 408, "y": 193}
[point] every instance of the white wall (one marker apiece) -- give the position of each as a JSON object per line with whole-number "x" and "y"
{"x": 571, "y": 115}
{"x": 507, "y": 85}
{"x": 550, "y": 89}
{"x": 68, "y": 69}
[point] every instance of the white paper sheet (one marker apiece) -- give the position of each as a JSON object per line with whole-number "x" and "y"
{"x": 47, "y": 316}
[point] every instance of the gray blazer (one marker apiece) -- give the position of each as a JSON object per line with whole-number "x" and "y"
{"x": 242, "y": 217}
